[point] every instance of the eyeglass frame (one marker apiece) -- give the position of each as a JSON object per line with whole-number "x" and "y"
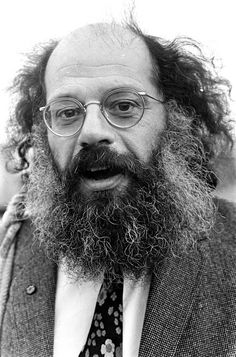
{"x": 101, "y": 105}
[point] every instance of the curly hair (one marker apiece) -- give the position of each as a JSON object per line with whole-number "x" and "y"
{"x": 180, "y": 71}
{"x": 29, "y": 89}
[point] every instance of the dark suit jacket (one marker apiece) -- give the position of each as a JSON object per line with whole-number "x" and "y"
{"x": 191, "y": 309}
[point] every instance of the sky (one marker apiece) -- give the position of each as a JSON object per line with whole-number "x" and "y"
{"x": 26, "y": 22}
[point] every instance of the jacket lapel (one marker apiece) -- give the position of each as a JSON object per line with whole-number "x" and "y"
{"x": 33, "y": 290}
{"x": 169, "y": 305}
{"x": 33, "y": 294}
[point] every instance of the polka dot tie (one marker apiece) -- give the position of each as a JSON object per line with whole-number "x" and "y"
{"x": 105, "y": 335}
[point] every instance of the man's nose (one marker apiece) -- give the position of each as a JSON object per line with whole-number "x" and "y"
{"x": 95, "y": 129}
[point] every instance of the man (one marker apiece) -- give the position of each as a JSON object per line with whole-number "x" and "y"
{"x": 118, "y": 203}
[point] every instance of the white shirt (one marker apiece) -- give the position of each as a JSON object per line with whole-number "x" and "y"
{"x": 74, "y": 309}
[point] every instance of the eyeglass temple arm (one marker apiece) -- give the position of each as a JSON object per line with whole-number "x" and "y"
{"x": 149, "y": 96}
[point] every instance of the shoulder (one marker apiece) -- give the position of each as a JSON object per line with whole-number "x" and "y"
{"x": 212, "y": 323}
{"x": 218, "y": 271}
{"x": 223, "y": 233}
{"x": 226, "y": 212}
{"x": 219, "y": 250}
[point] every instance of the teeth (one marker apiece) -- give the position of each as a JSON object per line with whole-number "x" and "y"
{"x": 93, "y": 169}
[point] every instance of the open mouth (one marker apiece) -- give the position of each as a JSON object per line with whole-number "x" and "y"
{"x": 103, "y": 178}
{"x": 101, "y": 173}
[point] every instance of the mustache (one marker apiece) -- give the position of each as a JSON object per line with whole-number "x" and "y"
{"x": 97, "y": 157}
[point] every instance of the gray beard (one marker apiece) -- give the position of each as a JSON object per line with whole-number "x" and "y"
{"x": 165, "y": 209}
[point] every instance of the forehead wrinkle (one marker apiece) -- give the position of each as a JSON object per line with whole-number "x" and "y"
{"x": 84, "y": 71}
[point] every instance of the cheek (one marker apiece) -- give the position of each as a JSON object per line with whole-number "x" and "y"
{"x": 62, "y": 150}
{"x": 145, "y": 138}
{"x": 149, "y": 143}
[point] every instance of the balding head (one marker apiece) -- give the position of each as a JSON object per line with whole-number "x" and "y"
{"x": 97, "y": 38}
{"x": 98, "y": 45}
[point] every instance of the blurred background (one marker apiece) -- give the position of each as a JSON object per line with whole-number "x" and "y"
{"x": 27, "y": 22}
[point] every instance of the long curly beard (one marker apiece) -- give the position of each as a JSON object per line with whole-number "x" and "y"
{"x": 166, "y": 207}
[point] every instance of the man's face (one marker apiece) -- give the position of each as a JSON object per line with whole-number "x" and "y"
{"x": 152, "y": 204}
{"x": 85, "y": 66}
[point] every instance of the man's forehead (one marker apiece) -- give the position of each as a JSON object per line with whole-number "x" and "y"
{"x": 97, "y": 45}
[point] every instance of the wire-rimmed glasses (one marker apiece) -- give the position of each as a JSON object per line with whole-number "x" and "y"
{"x": 121, "y": 107}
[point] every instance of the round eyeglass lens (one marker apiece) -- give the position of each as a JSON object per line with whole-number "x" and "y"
{"x": 123, "y": 108}
{"x": 64, "y": 116}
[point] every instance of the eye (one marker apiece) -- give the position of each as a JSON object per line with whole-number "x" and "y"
{"x": 123, "y": 107}
{"x": 68, "y": 113}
